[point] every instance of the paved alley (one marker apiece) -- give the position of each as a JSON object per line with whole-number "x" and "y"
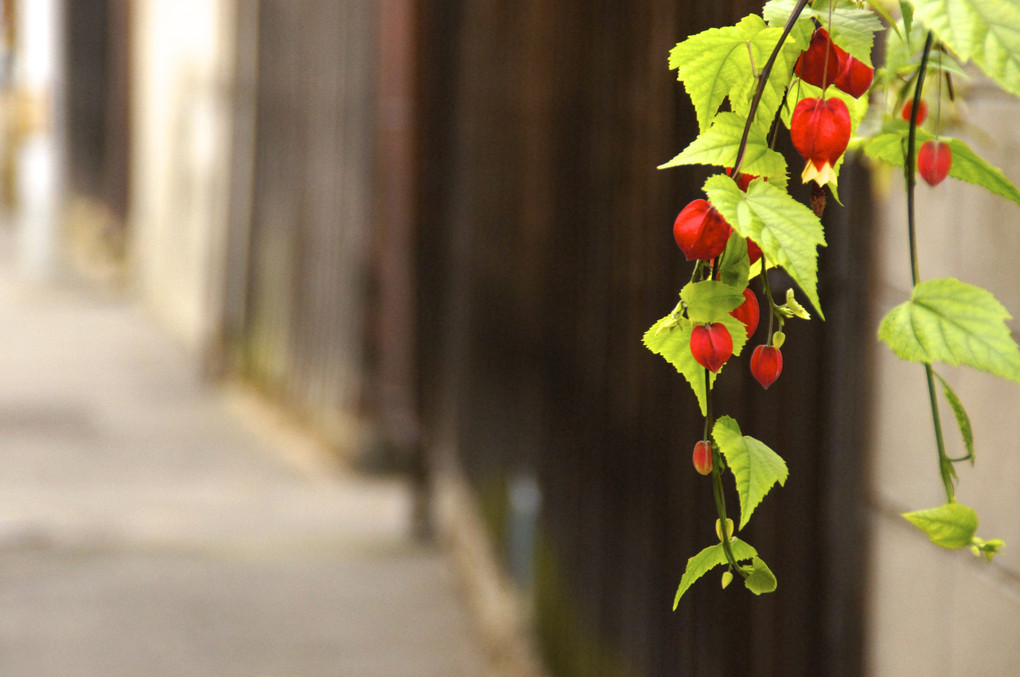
{"x": 152, "y": 526}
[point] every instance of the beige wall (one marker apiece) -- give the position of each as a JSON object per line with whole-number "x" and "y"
{"x": 183, "y": 60}
{"x": 933, "y": 611}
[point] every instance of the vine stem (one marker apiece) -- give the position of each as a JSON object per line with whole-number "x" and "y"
{"x": 717, "y": 487}
{"x": 763, "y": 78}
{"x": 945, "y": 463}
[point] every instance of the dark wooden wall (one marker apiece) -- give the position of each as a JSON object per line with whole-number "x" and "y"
{"x": 303, "y": 208}
{"x": 545, "y": 251}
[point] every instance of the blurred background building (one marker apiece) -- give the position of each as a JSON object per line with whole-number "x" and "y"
{"x": 434, "y": 231}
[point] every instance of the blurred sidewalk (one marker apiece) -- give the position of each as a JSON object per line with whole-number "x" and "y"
{"x": 151, "y": 525}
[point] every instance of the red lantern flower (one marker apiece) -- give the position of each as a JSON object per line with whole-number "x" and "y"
{"x": 766, "y": 365}
{"x": 748, "y": 311}
{"x": 820, "y": 129}
{"x": 700, "y": 231}
{"x": 922, "y": 111}
{"x": 933, "y": 161}
{"x": 814, "y": 66}
{"x": 854, "y": 77}
{"x": 711, "y": 345}
{"x": 824, "y": 63}
{"x": 753, "y": 250}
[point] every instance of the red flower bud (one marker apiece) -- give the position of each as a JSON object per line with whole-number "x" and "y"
{"x": 703, "y": 457}
{"x": 922, "y": 111}
{"x": 854, "y": 77}
{"x": 820, "y": 129}
{"x": 813, "y": 67}
{"x": 748, "y": 312}
{"x": 766, "y": 365}
{"x": 753, "y": 250}
{"x": 933, "y": 161}
{"x": 711, "y": 345}
{"x": 700, "y": 231}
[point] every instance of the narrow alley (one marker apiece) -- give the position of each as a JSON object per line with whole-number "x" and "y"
{"x": 152, "y": 525}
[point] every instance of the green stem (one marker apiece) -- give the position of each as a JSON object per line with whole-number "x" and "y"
{"x": 717, "y": 487}
{"x": 763, "y": 78}
{"x": 945, "y": 463}
{"x": 768, "y": 295}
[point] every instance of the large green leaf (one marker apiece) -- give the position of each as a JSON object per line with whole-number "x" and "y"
{"x": 708, "y": 559}
{"x": 852, "y": 28}
{"x": 890, "y": 145}
{"x": 734, "y": 264}
{"x": 760, "y": 580}
{"x": 756, "y": 468}
{"x": 987, "y": 31}
{"x": 710, "y": 300}
{"x": 718, "y": 146}
{"x": 716, "y": 64}
{"x": 670, "y": 337}
{"x": 962, "y": 419}
{"x": 712, "y": 63}
{"x": 950, "y": 321}
{"x": 787, "y": 231}
{"x": 951, "y": 525}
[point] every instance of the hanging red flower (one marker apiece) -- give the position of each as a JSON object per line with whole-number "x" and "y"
{"x": 820, "y": 129}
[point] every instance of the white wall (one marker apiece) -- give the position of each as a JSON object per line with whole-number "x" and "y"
{"x": 182, "y": 61}
{"x": 933, "y": 611}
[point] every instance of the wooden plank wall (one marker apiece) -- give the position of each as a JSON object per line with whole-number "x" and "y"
{"x": 544, "y": 253}
{"x": 303, "y": 210}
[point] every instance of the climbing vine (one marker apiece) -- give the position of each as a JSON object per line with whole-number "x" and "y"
{"x": 804, "y": 67}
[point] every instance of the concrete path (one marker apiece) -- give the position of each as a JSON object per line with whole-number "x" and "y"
{"x": 152, "y": 526}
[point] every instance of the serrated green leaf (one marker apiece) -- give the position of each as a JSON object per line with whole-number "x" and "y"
{"x": 735, "y": 265}
{"x": 670, "y": 337}
{"x": 718, "y": 146}
{"x": 755, "y": 467}
{"x": 761, "y": 579}
{"x": 712, "y": 63}
{"x": 717, "y": 64}
{"x": 710, "y": 300}
{"x": 962, "y": 419}
{"x": 708, "y": 559}
{"x": 787, "y": 231}
{"x": 852, "y": 28}
{"x": 987, "y": 32}
{"x": 950, "y": 321}
{"x": 950, "y": 526}
{"x": 967, "y": 165}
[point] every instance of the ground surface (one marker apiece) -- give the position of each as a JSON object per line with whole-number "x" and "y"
{"x": 151, "y": 526}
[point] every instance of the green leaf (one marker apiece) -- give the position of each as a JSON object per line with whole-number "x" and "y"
{"x": 761, "y": 578}
{"x": 716, "y": 64}
{"x": 718, "y": 146}
{"x": 950, "y": 526}
{"x": 852, "y": 28}
{"x": 962, "y": 420}
{"x": 787, "y": 231}
{"x": 756, "y": 468}
{"x": 710, "y": 300}
{"x": 735, "y": 266}
{"x": 983, "y": 30}
{"x": 708, "y": 559}
{"x": 890, "y": 145}
{"x": 670, "y": 337}
{"x": 950, "y": 321}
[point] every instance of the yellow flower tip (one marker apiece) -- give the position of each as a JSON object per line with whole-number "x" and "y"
{"x": 820, "y": 175}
